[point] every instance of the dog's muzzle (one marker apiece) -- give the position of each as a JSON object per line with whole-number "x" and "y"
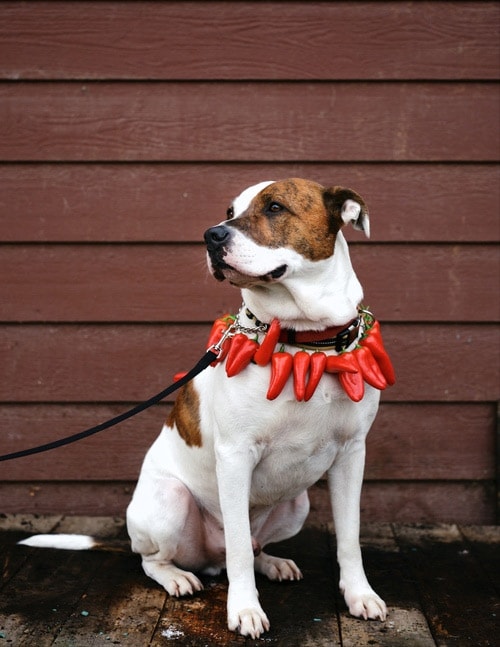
{"x": 217, "y": 239}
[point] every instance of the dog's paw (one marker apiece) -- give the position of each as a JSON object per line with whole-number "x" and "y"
{"x": 277, "y": 568}
{"x": 251, "y": 622}
{"x": 366, "y": 604}
{"x": 183, "y": 583}
{"x": 173, "y": 579}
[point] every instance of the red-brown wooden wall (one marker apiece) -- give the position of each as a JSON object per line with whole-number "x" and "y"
{"x": 126, "y": 128}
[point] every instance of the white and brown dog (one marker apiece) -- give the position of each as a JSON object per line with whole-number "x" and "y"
{"x": 230, "y": 470}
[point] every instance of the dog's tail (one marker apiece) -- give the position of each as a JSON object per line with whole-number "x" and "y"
{"x": 77, "y": 542}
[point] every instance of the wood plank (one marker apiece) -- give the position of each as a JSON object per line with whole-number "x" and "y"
{"x": 19, "y": 526}
{"x": 98, "y": 526}
{"x": 484, "y": 542}
{"x": 124, "y": 446}
{"x": 468, "y": 502}
{"x": 202, "y": 121}
{"x": 72, "y": 498}
{"x": 315, "y": 39}
{"x": 177, "y": 202}
{"x": 432, "y": 441}
{"x": 300, "y": 612}
{"x": 42, "y": 595}
{"x": 120, "y": 606}
{"x": 403, "y": 627}
{"x": 423, "y": 501}
{"x": 406, "y": 623}
{"x": 159, "y": 283}
{"x": 129, "y": 363}
{"x": 443, "y": 585}
{"x": 28, "y": 524}
{"x": 33, "y": 588}
{"x": 200, "y": 621}
{"x": 407, "y": 442}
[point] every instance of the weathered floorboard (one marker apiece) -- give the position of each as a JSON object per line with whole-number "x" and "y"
{"x": 437, "y": 581}
{"x": 406, "y": 623}
{"x": 443, "y": 565}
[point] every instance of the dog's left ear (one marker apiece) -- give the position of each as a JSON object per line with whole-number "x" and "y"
{"x": 346, "y": 206}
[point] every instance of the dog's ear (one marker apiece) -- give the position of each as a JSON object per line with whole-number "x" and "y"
{"x": 346, "y": 206}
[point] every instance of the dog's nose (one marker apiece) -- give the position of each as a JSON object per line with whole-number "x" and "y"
{"x": 217, "y": 236}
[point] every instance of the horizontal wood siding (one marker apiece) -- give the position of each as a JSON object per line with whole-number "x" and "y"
{"x": 125, "y": 130}
{"x": 393, "y": 449}
{"x": 214, "y": 121}
{"x": 135, "y": 283}
{"x": 160, "y": 202}
{"x": 250, "y": 40}
{"x": 92, "y": 362}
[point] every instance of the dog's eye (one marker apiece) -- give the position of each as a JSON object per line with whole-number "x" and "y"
{"x": 230, "y": 213}
{"x": 275, "y": 207}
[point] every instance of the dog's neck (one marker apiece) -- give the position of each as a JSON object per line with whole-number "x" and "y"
{"x": 327, "y": 294}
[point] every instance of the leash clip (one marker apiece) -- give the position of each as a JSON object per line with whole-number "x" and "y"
{"x": 229, "y": 332}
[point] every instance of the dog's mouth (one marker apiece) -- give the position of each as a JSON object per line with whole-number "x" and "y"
{"x": 222, "y": 270}
{"x": 275, "y": 274}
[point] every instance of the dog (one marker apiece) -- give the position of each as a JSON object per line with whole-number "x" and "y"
{"x": 230, "y": 470}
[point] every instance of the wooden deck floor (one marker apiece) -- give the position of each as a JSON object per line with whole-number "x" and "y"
{"x": 439, "y": 583}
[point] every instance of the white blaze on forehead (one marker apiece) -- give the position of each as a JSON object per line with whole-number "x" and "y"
{"x": 242, "y": 202}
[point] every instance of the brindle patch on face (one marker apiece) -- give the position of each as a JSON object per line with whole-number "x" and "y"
{"x": 304, "y": 223}
{"x": 186, "y": 415}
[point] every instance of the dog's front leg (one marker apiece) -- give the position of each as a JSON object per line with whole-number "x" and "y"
{"x": 345, "y": 479}
{"x": 234, "y": 473}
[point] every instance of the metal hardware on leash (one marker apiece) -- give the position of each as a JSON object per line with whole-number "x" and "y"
{"x": 232, "y": 330}
{"x": 229, "y": 332}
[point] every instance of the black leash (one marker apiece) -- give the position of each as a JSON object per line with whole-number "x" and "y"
{"x": 205, "y": 361}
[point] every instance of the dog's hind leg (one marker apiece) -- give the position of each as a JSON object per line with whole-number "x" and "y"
{"x": 285, "y": 521}
{"x": 166, "y": 528}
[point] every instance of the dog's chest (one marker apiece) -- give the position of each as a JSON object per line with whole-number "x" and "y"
{"x": 291, "y": 443}
{"x": 291, "y": 463}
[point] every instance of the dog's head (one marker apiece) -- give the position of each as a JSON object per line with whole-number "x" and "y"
{"x": 275, "y": 229}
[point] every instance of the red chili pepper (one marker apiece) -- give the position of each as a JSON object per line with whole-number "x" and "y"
{"x": 369, "y": 368}
{"x": 263, "y": 355}
{"x": 301, "y": 361}
{"x": 240, "y": 354}
{"x": 353, "y": 385}
{"x": 281, "y": 368}
{"x": 345, "y": 363}
{"x": 219, "y": 327}
{"x": 373, "y": 341}
{"x": 316, "y": 370}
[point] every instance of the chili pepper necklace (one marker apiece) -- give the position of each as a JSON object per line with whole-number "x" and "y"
{"x": 367, "y": 362}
